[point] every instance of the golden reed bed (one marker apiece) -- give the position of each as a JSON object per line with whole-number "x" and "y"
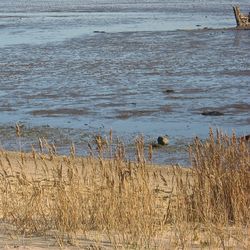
{"x": 50, "y": 201}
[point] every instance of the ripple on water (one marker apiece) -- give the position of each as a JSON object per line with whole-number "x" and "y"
{"x": 55, "y": 70}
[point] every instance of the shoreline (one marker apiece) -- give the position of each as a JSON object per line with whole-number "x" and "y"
{"x": 176, "y": 152}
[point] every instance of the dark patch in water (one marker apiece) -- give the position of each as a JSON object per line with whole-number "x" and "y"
{"x": 109, "y": 105}
{"x": 237, "y": 107}
{"x": 61, "y": 111}
{"x": 99, "y": 32}
{"x": 185, "y": 97}
{"x": 166, "y": 108}
{"x": 126, "y": 114}
{"x": 237, "y": 73}
{"x": 7, "y": 108}
{"x": 192, "y": 91}
{"x": 168, "y": 91}
{"x": 212, "y": 113}
{"x": 42, "y": 96}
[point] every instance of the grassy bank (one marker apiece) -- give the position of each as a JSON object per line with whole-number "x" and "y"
{"x": 112, "y": 203}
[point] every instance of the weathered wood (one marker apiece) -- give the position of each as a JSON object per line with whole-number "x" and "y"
{"x": 242, "y": 21}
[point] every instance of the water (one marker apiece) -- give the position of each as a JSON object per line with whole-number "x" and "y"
{"x": 94, "y": 65}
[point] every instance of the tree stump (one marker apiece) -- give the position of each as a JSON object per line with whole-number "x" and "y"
{"x": 242, "y": 21}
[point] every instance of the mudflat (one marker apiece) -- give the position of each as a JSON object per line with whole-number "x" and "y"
{"x": 147, "y": 68}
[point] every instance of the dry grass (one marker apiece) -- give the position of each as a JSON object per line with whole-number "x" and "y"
{"x": 222, "y": 186}
{"x": 115, "y": 203}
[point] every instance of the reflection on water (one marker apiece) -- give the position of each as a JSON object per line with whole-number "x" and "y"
{"x": 92, "y": 67}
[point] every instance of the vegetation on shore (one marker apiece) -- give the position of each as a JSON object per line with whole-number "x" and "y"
{"x": 118, "y": 203}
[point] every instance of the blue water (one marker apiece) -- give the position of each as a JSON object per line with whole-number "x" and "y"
{"x": 96, "y": 65}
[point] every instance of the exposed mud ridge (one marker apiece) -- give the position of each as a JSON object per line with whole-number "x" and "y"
{"x": 126, "y": 114}
{"x": 59, "y": 112}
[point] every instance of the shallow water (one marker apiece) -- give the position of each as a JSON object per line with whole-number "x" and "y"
{"x": 146, "y": 67}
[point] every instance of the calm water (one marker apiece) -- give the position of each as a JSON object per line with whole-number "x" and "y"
{"x": 88, "y": 66}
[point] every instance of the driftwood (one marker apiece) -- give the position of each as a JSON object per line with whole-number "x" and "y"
{"x": 243, "y": 21}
